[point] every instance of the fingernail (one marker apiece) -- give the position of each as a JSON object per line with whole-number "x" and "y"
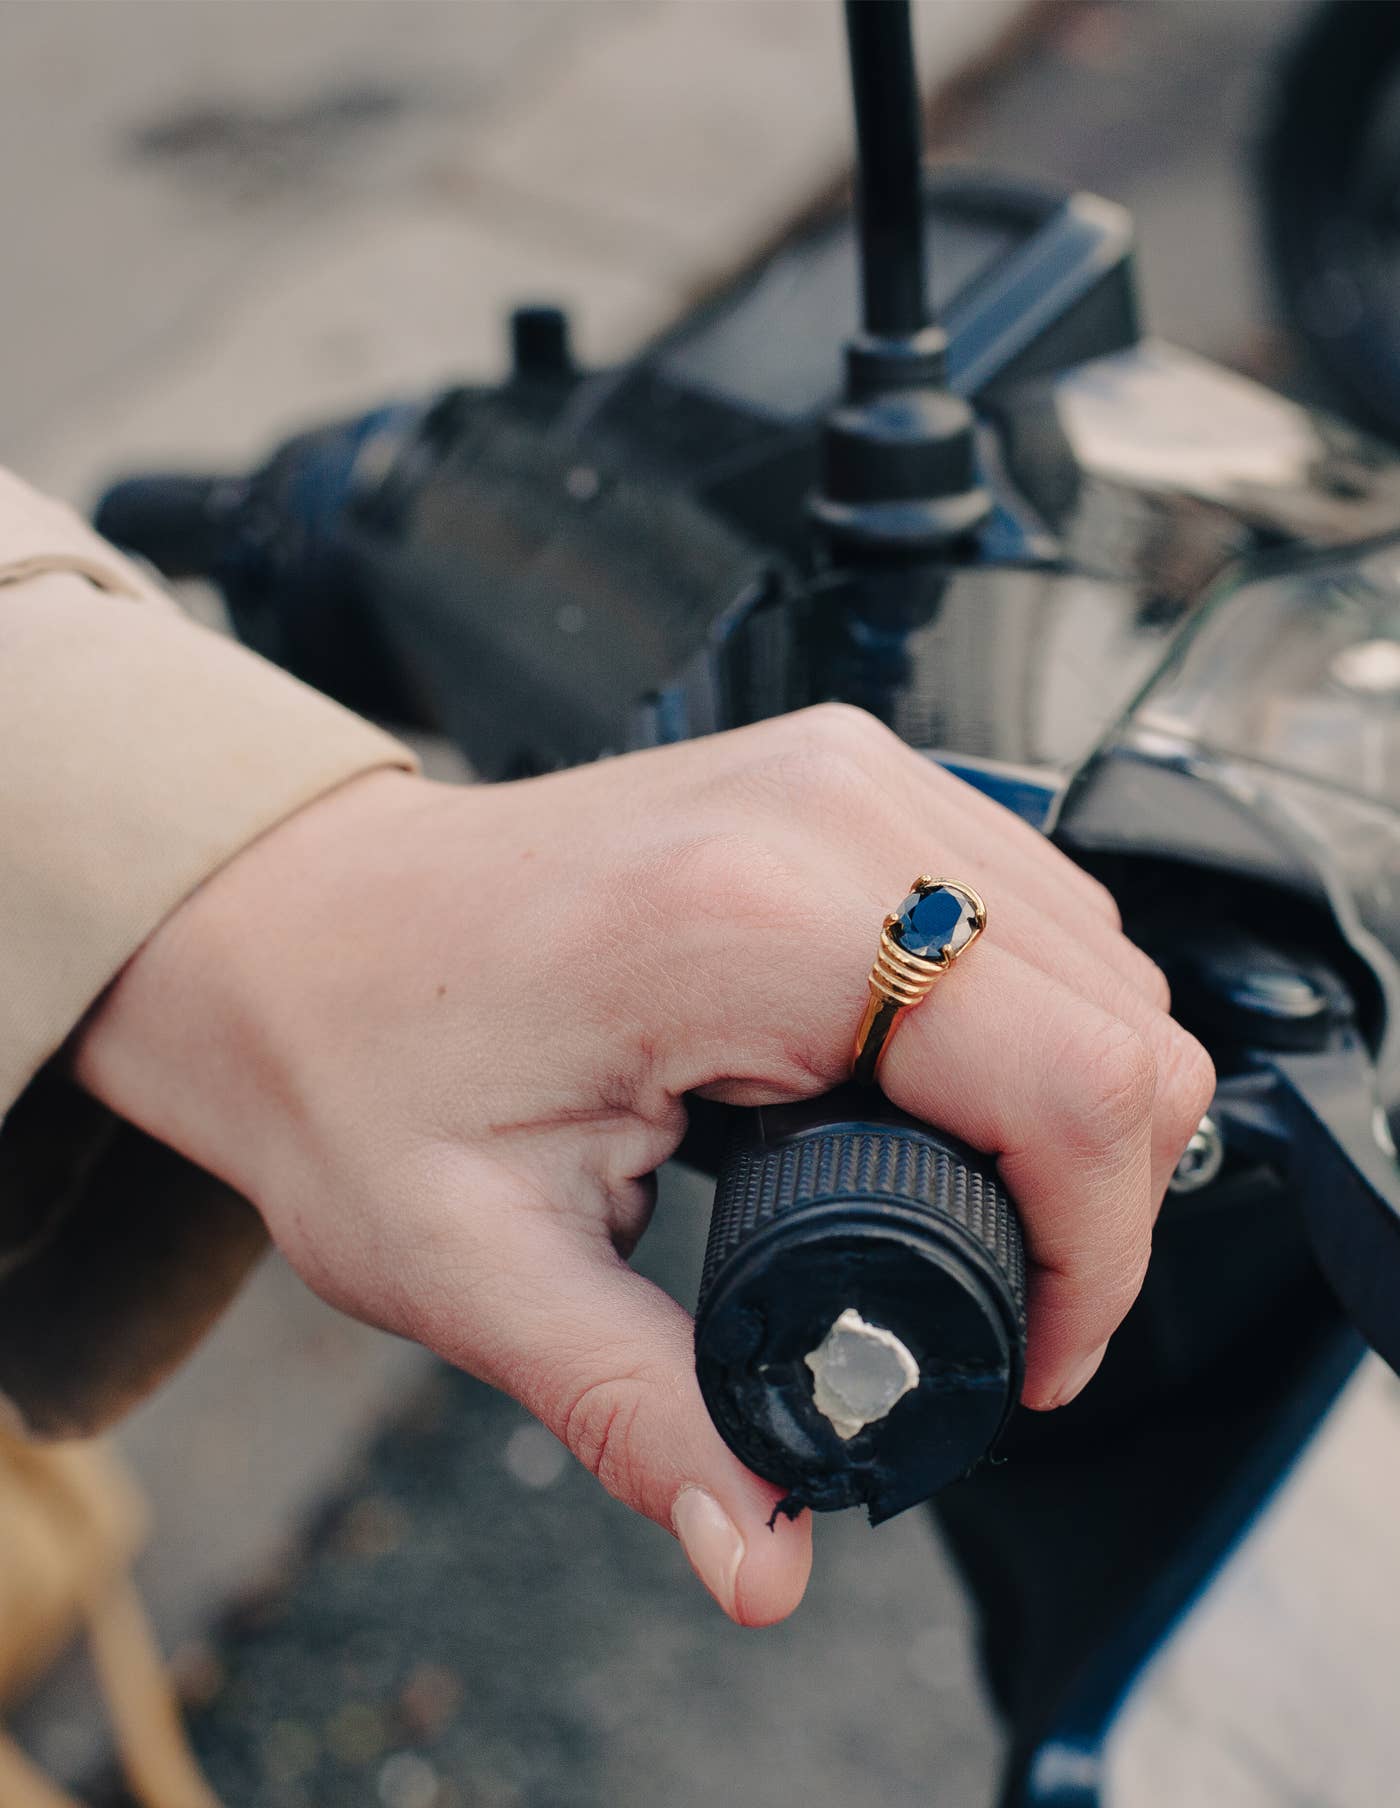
{"x": 1081, "y": 1377}
{"x": 710, "y": 1538}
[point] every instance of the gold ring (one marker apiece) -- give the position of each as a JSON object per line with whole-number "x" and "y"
{"x": 938, "y": 921}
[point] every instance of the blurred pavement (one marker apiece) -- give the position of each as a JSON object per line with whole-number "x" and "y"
{"x": 224, "y": 218}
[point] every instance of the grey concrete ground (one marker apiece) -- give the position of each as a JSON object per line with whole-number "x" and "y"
{"x": 222, "y": 218}
{"x": 480, "y": 1627}
{"x": 225, "y": 216}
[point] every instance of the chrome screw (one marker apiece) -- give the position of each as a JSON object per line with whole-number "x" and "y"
{"x": 1201, "y": 1160}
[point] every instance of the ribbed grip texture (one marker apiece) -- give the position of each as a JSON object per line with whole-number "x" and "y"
{"x": 866, "y": 1163}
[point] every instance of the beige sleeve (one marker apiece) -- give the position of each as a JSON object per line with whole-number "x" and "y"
{"x": 138, "y": 752}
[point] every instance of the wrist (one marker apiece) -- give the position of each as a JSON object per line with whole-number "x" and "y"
{"x": 189, "y": 1040}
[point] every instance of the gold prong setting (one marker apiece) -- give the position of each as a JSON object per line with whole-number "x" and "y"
{"x": 901, "y": 977}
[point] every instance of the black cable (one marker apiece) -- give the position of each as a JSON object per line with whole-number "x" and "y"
{"x": 889, "y": 158}
{"x": 899, "y": 467}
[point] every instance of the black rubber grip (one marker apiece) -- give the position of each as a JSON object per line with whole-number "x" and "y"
{"x": 176, "y": 522}
{"x": 844, "y": 1204}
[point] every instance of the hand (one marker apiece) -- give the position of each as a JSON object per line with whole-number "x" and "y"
{"x": 441, "y": 1038}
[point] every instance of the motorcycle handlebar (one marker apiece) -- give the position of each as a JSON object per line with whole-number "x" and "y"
{"x": 860, "y": 1331}
{"x": 175, "y": 521}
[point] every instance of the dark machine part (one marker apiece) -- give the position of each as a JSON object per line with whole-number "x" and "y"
{"x": 1329, "y": 172}
{"x": 1147, "y": 649}
{"x": 845, "y": 1206}
{"x": 1123, "y": 1505}
{"x": 617, "y": 556}
{"x": 1254, "y": 780}
{"x": 889, "y": 171}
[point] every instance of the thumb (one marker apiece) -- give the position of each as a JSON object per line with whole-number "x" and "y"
{"x": 606, "y": 1360}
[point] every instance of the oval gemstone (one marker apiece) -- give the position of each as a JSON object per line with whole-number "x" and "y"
{"x": 930, "y": 921}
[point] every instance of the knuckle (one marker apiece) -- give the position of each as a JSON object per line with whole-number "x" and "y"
{"x": 1106, "y": 902}
{"x": 1187, "y": 1081}
{"x": 1156, "y": 985}
{"x": 731, "y": 873}
{"x": 830, "y": 755}
{"x": 841, "y": 725}
{"x": 1111, "y": 1079}
{"x": 600, "y": 1427}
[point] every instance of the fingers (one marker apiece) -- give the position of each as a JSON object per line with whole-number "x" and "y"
{"x": 1051, "y": 1047}
{"x": 1007, "y": 861}
{"x": 607, "y": 1361}
{"x": 1047, "y": 913}
{"x": 1023, "y": 844}
{"x": 896, "y": 813}
{"x": 1044, "y": 909}
{"x": 925, "y": 789}
{"x": 1068, "y": 1096}
{"x": 1041, "y": 913}
{"x": 1182, "y": 1065}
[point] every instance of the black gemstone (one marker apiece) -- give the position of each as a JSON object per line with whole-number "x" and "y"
{"x": 927, "y": 922}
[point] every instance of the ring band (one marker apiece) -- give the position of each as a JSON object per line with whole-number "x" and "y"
{"x": 937, "y": 922}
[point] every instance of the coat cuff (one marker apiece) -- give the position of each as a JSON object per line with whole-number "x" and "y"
{"x": 140, "y": 752}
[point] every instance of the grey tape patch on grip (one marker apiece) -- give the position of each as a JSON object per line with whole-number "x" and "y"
{"x": 860, "y": 1372}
